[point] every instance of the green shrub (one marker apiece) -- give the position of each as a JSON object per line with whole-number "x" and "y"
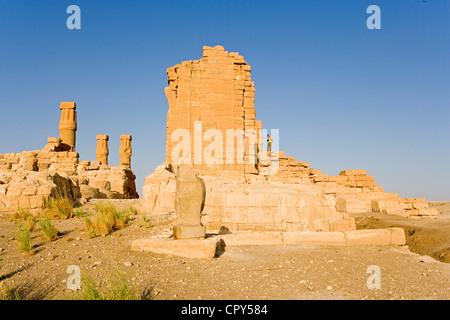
{"x": 20, "y": 215}
{"x": 23, "y": 237}
{"x": 118, "y": 289}
{"x": 147, "y": 222}
{"x": 107, "y": 220}
{"x": 132, "y": 211}
{"x": 79, "y": 213}
{"x": 31, "y": 222}
{"x": 48, "y": 230}
{"x": 9, "y": 294}
{"x": 59, "y": 208}
{"x": 90, "y": 228}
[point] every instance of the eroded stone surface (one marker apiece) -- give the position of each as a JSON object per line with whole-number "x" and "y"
{"x": 189, "y": 202}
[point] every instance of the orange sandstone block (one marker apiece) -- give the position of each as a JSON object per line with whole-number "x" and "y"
{"x": 342, "y": 225}
{"x": 252, "y": 239}
{"x": 353, "y": 172}
{"x": 368, "y": 237}
{"x": 397, "y": 236}
{"x": 314, "y": 238}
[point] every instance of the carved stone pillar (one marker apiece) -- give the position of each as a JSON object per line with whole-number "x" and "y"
{"x": 125, "y": 150}
{"x": 102, "y": 151}
{"x": 68, "y": 125}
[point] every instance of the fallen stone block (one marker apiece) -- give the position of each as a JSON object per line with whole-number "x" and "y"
{"x": 397, "y": 236}
{"x": 314, "y": 238}
{"x": 186, "y": 248}
{"x": 253, "y": 239}
{"x": 369, "y": 237}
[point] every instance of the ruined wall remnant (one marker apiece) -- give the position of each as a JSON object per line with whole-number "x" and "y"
{"x": 216, "y": 90}
{"x": 68, "y": 125}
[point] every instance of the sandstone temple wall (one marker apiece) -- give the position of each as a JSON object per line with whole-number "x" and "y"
{"x": 216, "y": 90}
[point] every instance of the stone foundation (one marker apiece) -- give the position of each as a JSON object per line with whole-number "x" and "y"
{"x": 256, "y": 205}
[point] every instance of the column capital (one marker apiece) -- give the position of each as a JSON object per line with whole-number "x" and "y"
{"x": 67, "y": 105}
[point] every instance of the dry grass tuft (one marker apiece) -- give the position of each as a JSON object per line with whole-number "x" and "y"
{"x": 58, "y": 208}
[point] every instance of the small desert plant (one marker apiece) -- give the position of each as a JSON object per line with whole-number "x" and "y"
{"x": 98, "y": 207}
{"x": 122, "y": 290}
{"x": 90, "y": 289}
{"x": 59, "y": 208}
{"x": 118, "y": 289}
{"x": 132, "y": 211}
{"x": 48, "y": 230}
{"x": 23, "y": 237}
{"x": 31, "y": 222}
{"x": 147, "y": 222}
{"x": 20, "y": 215}
{"x": 79, "y": 213}
{"x": 108, "y": 219}
{"x": 9, "y": 294}
{"x": 90, "y": 227}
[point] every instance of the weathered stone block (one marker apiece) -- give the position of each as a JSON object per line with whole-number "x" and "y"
{"x": 314, "y": 238}
{"x": 397, "y": 236}
{"x": 186, "y": 248}
{"x": 253, "y": 239}
{"x": 372, "y": 237}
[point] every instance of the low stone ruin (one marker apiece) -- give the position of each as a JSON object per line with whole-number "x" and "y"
{"x": 28, "y": 178}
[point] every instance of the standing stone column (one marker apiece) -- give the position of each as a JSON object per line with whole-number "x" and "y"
{"x": 189, "y": 198}
{"x": 68, "y": 125}
{"x": 102, "y": 151}
{"x": 125, "y": 150}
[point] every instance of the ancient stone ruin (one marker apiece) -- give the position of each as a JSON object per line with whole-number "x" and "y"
{"x": 28, "y": 178}
{"x": 292, "y": 201}
{"x": 216, "y": 90}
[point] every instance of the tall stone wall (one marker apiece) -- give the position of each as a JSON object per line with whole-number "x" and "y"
{"x": 216, "y": 90}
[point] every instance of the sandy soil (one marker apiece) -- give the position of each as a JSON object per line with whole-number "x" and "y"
{"x": 289, "y": 272}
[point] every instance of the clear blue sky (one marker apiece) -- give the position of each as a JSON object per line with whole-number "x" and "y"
{"x": 343, "y": 96}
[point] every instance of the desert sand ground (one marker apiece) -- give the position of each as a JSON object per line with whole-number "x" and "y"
{"x": 288, "y": 272}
